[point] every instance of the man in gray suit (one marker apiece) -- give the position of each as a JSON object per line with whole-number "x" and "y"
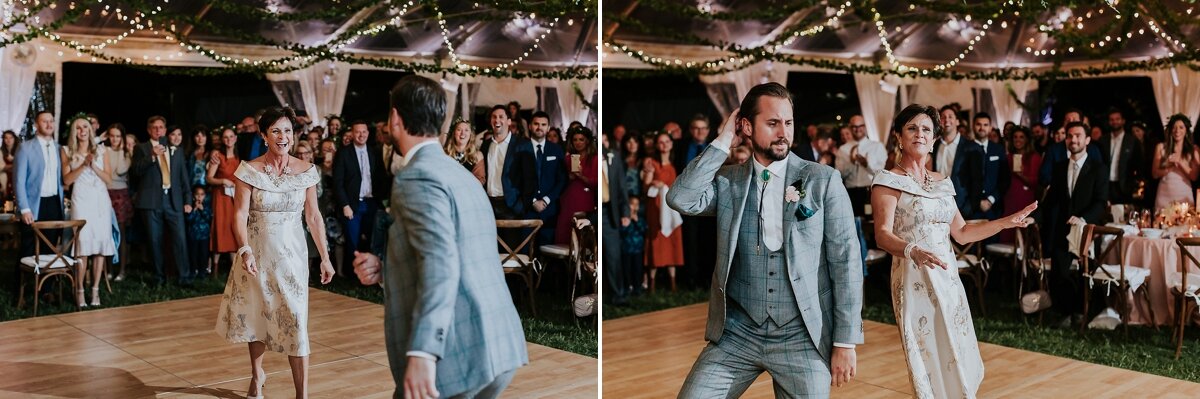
{"x": 787, "y": 290}
{"x": 451, "y": 327}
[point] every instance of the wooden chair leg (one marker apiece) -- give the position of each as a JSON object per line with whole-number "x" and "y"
{"x": 532, "y": 301}
{"x": 1149, "y": 308}
{"x": 1183, "y": 312}
{"x": 21, "y": 292}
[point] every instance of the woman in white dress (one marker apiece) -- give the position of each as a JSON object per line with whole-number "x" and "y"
{"x": 266, "y": 297}
{"x": 915, "y": 218}
{"x": 86, "y": 172}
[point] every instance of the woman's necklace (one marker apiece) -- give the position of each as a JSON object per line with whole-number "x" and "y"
{"x": 278, "y": 179}
{"x": 926, "y": 183}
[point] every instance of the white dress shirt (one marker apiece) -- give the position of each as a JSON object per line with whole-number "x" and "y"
{"x": 364, "y": 165}
{"x": 50, "y": 167}
{"x": 495, "y": 168}
{"x": 855, "y": 175}
{"x": 1117, "y": 138}
{"x": 771, "y": 196}
{"x": 945, "y": 158}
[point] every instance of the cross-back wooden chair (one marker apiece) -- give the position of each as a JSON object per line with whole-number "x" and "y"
{"x": 1128, "y": 279}
{"x": 1186, "y": 289}
{"x": 519, "y": 259}
{"x": 44, "y": 266}
{"x": 970, "y": 263}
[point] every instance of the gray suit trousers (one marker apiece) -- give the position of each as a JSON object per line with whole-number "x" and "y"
{"x": 489, "y": 391}
{"x": 726, "y": 369}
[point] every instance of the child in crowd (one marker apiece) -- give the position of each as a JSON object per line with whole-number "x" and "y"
{"x": 199, "y": 221}
{"x": 633, "y": 246}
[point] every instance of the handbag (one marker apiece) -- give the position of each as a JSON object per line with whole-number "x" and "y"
{"x": 1035, "y": 301}
{"x": 584, "y": 306}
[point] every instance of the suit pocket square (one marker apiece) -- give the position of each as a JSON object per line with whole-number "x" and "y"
{"x": 994, "y": 158}
{"x": 804, "y": 212}
{"x": 551, "y": 158}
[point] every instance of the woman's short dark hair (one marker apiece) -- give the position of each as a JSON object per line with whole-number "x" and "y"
{"x": 274, "y": 114}
{"x": 421, "y": 104}
{"x": 749, "y": 107}
{"x": 910, "y": 112}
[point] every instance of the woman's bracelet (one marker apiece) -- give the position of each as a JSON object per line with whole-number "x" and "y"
{"x": 908, "y": 251}
{"x": 244, "y": 249}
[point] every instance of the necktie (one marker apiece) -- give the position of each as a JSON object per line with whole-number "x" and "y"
{"x": 366, "y": 173}
{"x": 537, "y": 155}
{"x": 1073, "y": 178}
{"x": 164, "y": 167}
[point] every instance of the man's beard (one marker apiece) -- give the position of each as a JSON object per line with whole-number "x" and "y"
{"x": 770, "y": 152}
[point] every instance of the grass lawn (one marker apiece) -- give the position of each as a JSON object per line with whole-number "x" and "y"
{"x": 1145, "y": 349}
{"x": 554, "y": 325}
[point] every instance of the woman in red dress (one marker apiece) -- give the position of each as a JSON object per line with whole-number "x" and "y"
{"x": 658, "y": 174}
{"x": 580, "y": 194}
{"x": 220, "y": 177}
{"x": 1024, "y": 164}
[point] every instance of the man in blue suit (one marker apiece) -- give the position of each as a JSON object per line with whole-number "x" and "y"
{"x": 958, "y": 158}
{"x": 544, "y": 178}
{"x": 996, "y": 173}
{"x": 38, "y": 184}
{"x": 502, "y": 173}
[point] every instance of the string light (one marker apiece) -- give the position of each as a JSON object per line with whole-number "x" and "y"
{"x": 962, "y": 55}
{"x": 503, "y": 66}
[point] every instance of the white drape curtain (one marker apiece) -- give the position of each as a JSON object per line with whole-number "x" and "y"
{"x": 1177, "y": 91}
{"x": 877, "y": 99}
{"x": 322, "y": 86}
{"x": 450, "y": 83}
{"x": 16, "y": 84}
{"x": 572, "y": 107}
{"x": 1007, "y": 108}
{"x": 742, "y": 80}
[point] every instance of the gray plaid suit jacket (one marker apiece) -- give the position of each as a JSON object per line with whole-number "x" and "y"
{"x": 444, "y": 289}
{"x": 824, "y": 263}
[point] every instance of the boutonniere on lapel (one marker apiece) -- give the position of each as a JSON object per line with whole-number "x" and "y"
{"x": 608, "y": 158}
{"x": 794, "y": 193}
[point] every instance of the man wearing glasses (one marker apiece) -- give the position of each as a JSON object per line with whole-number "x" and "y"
{"x": 858, "y": 161}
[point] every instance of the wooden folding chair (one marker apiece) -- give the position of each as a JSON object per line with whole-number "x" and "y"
{"x": 43, "y": 267}
{"x": 971, "y": 264}
{"x": 1033, "y": 262}
{"x": 525, "y": 265}
{"x": 1186, "y": 290}
{"x": 1125, "y": 277}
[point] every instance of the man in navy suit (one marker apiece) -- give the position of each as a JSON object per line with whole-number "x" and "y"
{"x": 816, "y": 148}
{"x": 38, "y": 187}
{"x": 958, "y": 158}
{"x": 544, "y": 178}
{"x": 995, "y": 170}
{"x": 1057, "y": 152}
{"x": 502, "y": 174}
{"x": 1079, "y": 189}
{"x": 1123, "y": 155}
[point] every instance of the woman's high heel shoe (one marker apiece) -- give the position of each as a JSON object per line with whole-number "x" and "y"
{"x": 262, "y": 382}
{"x": 95, "y": 296}
{"x": 79, "y": 298}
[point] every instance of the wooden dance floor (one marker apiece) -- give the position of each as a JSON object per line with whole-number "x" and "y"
{"x": 649, "y": 355}
{"x": 169, "y": 349}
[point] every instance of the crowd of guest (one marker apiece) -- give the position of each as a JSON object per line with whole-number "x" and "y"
{"x": 995, "y": 171}
{"x": 171, "y": 197}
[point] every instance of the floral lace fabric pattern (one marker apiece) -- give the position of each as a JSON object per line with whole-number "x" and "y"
{"x": 271, "y": 307}
{"x": 930, "y": 303}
